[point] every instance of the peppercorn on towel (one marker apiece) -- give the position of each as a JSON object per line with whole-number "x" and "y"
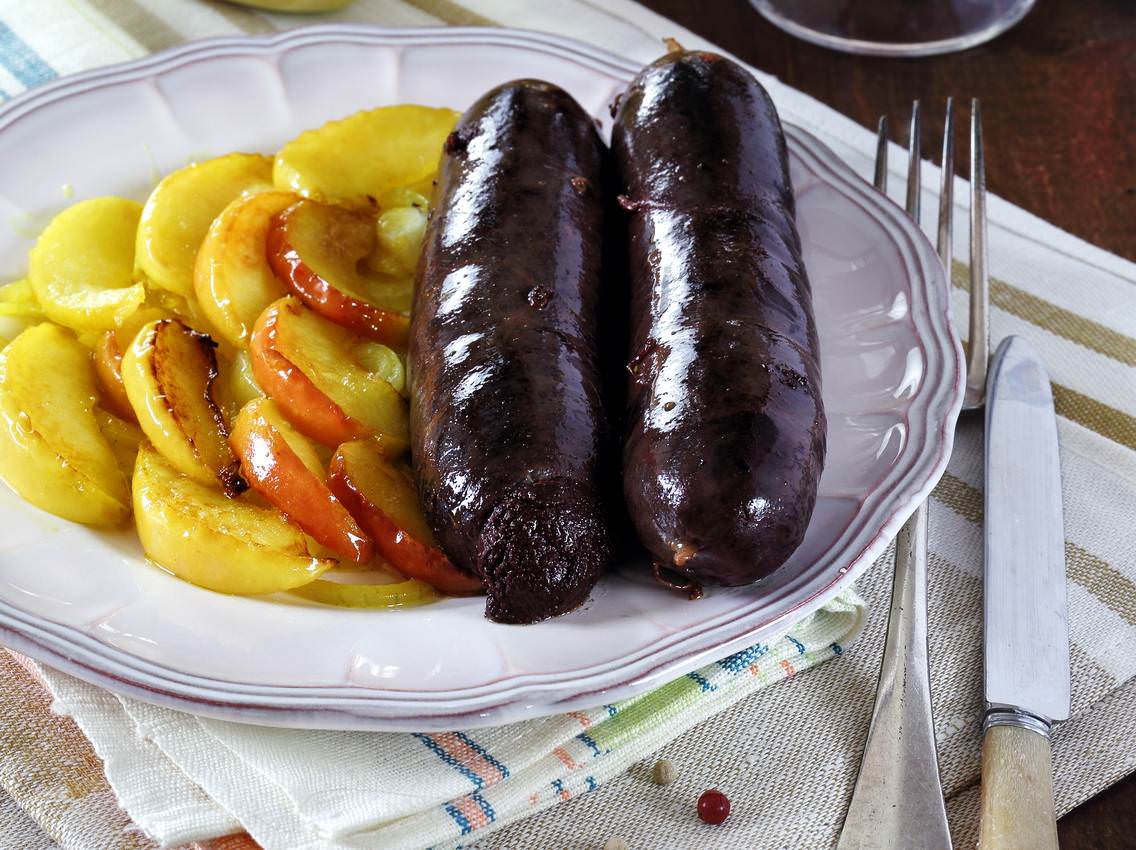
{"x": 787, "y": 756}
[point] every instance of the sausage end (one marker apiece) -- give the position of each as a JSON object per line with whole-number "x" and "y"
{"x": 541, "y": 551}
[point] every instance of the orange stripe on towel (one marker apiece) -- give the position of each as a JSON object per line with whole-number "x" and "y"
{"x": 468, "y": 757}
{"x": 585, "y": 721}
{"x": 471, "y": 812}
{"x": 565, "y": 758}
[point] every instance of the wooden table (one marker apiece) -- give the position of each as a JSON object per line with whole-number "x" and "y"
{"x": 1059, "y": 113}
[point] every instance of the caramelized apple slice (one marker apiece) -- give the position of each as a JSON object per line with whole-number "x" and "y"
{"x": 401, "y": 231}
{"x": 124, "y": 438}
{"x": 181, "y": 208}
{"x": 332, "y": 386}
{"x": 168, "y": 373}
{"x": 228, "y": 545}
{"x": 359, "y": 158}
{"x": 232, "y": 278}
{"x": 383, "y": 499}
{"x": 317, "y": 250}
{"x": 282, "y": 466}
{"x": 108, "y": 370}
{"x": 82, "y": 265}
{"x": 235, "y": 386}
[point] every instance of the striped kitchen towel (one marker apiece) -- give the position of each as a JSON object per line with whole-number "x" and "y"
{"x": 185, "y": 778}
{"x": 787, "y": 756}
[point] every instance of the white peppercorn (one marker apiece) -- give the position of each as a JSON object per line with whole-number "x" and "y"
{"x": 664, "y": 772}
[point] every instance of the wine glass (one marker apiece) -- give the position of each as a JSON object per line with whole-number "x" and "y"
{"x": 895, "y": 27}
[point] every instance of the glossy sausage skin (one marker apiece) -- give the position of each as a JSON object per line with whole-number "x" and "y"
{"x": 726, "y": 431}
{"x": 506, "y": 414}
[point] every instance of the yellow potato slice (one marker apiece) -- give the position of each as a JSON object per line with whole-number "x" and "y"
{"x": 52, "y": 450}
{"x": 82, "y": 266}
{"x": 227, "y": 545}
{"x": 18, "y": 299}
{"x": 357, "y": 159}
{"x": 343, "y": 594}
{"x": 181, "y": 208}
{"x": 232, "y": 278}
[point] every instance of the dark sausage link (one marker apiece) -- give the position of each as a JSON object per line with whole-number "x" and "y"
{"x": 506, "y": 414}
{"x": 726, "y": 433}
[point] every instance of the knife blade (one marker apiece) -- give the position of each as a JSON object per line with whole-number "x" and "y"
{"x": 1026, "y": 636}
{"x": 1026, "y": 646}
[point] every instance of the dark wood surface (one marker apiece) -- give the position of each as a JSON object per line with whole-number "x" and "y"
{"x": 1059, "y": 115}
{"x": 1058, "y": 100}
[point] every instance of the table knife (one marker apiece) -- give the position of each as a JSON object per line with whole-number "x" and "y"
{"x": 1026, "y": 633}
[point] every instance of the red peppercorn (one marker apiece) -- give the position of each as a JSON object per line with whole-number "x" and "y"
{"x": 713, "y": 806}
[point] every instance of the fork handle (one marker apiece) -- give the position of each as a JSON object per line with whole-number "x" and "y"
{"x": 897, "y": 803}
{"x": 1017, "y": 790}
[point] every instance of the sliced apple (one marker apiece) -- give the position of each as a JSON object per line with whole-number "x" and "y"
{"x": 401, "y": 233}
{"x": 332, "y": 386}
{"x": 52, "y": 451}
{"x": 227, "y": 545}
{"x": 383, "y": 498}
{"x": 181, "y": 208}
{"x": 107, "y": 357}
{"x": 124, "y": 438}
{"x": 308, "y": 407}
{"x": 281, "y": 465}
{"x": 168, "y": 373}
{"x": 317, "y": 250}
{"x": 408, "y": 196}
{"x": 232, "y": 277}
{"x": 358, "y": 158}
{"x": 82, "y": 265}
{"x": 235, "y": 386}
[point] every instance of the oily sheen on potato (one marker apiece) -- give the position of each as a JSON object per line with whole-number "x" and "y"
{"x": 358, "y": 158}
{"x": 228, "y": 545}
{"x": 232, "y": 332}
{"x": 180, "y": 210}
{"x": 81, "y": 267}
{"x": 52, "y": 450}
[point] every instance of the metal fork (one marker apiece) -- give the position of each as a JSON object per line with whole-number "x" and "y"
{"x": 897, "y": 803}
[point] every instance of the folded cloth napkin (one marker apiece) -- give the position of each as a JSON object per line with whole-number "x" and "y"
{"x": 787, "y": 756}
{"x": 182, "y": 777}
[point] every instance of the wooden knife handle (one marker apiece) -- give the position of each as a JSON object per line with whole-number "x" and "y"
{"x": 1017, "y": 791}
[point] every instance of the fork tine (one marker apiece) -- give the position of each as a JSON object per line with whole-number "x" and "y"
{"x": 947, "y": 189}
{"x": 881, "y": 178}
{"x": 979, "y": 278}
{"x": 914, "y": 184}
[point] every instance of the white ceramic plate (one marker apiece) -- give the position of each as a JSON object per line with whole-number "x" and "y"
{"x": 86, "y": 601}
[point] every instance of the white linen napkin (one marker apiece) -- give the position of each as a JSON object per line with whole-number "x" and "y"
{"x": 182, "y": 777}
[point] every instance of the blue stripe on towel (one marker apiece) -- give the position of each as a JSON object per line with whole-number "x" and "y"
{"x": 21, "y": 61}
{"x": 437, "y": 750}
{"x": 484, "y": 753}
{"x": 702, "y": 682}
